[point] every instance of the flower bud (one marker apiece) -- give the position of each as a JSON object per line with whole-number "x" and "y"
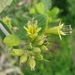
{"x": 38, "y": 57}
{"x": 29, "y": 47}
{"x": 17, "y": 52}
{"x": 39, "y": 40}
{"x": 32, "y": 63}
{"x": 44, "y": 48}
{"x": 36, "y": 50}
{"x": 23, "y": 58}
{"x": 46, "y": 43}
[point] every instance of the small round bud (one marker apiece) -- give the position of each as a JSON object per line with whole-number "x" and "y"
{"x": 29, "y": 47}
{"x": 44, "y": 48}
{"x": 23, "y": 58}
{"x": 32, "y": 63}
{"x": 46, "y": 43}
{"x": 39, "y": 40}
{"x": 39, "y": 57}
{"x": 36, "y": 50}
{"x": 17, "y": 52}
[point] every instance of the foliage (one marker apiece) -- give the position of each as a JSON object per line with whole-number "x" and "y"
{"x": 67, "y": 10}
{"x": 7, "y": 62}
{"x": 4, "y": 3}
{"x": 61, "y": 63}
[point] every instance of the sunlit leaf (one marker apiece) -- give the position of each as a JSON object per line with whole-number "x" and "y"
{"x": 12, "y": 40}
{"x": 42, "y": 22}
{"x": 4, "y": 3}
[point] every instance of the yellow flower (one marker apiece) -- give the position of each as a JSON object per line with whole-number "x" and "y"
{"x": 60, "y": 30}
{"x": 7, "y": 21}
{"x": 32, "y": 29}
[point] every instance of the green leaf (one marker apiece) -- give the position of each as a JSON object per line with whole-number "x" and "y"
{"x": 32, "y": 11}
{"x": 22, "y": 20}
{"x": 1, "y": 34}
{"x": 52, "y": 24}
{"x": 42, "y": 22}
{"x": 40, "y": 8}
{"x": 23, "y": 34}
{"x": 12, "y": 40}
{"x": 4, "y": 3}
{"x": 47, "y": 4}
{"x": 53, "y": 12}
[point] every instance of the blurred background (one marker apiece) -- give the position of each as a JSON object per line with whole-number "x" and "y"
{"x": 62, "y": 54}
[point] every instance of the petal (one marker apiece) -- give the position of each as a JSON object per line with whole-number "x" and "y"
{"x": 34, "y": 35}
{"x": 38, "y": 29}
{"x": 60, "y": 37}
{"x": 60, "y": 26}
{"x": 62, "y": 33}
{"x": 25, "y": 28}
{"x": 30, "y": 28}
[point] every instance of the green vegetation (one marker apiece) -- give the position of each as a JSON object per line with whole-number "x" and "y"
{"x": 58, "y": 57}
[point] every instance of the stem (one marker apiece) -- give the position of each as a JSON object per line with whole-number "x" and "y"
{"x": 4, "y": 30}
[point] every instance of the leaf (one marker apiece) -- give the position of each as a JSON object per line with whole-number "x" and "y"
{"x": 1, "y": 34}
{"x": 52, "y": 24}
{"x": 4, "y": 3}
{"x": 23, "y": 34}
{"x": 42, "y": 22}
{"x": 32, "y": 11}
{"x": 12, "y": 40}
{"x": 40, "y": 8}
{"x": 53, "y": 12}
{"x": 47, "y": 4}
{"x": 22, "y": 21}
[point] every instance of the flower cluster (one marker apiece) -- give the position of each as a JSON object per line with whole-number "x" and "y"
{"x": 37, "y": 44}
